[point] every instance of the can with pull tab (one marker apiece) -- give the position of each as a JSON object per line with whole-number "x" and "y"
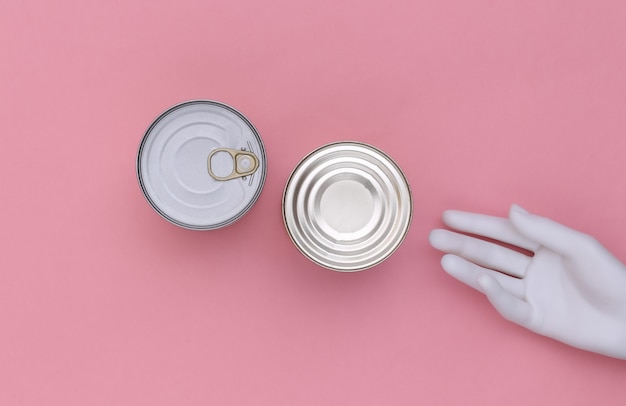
{"x": 201, "y": 165}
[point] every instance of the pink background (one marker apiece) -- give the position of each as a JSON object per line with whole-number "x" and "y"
{"x": 483, "y": 103}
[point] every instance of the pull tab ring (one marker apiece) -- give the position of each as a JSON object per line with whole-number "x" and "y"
{"x": 244, "y": 163}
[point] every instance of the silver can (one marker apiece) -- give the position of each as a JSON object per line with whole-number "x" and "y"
{"x": 347, "y": 206}
{"x": 201, "y": 165}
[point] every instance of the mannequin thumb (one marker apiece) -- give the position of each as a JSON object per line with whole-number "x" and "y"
{"x": 546, "y": 232}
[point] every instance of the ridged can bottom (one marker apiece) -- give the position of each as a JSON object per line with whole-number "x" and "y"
{"x": 347, "y": 206}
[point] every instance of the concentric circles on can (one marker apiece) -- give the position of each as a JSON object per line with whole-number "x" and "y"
{"x": 347, "y": 206}
{"x": 201, "y": 165}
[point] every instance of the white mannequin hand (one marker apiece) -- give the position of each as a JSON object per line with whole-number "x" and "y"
{"x": 572, "y": 289}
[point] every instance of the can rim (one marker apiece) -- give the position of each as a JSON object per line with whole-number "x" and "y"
{"x": 144, "y": 139}
{"x": 400, "y": 172}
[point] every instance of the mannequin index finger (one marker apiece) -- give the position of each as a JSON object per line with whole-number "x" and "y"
{"x": 496, "y": 228}
{"x": 468, "y": 273}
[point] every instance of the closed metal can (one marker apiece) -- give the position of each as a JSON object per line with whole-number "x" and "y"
{"x": 347, "y": 206}
{"x": 201, "y": 165}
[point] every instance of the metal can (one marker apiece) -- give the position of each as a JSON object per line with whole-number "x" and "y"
{"x": 347, "y": 206}
{"x": 201, "y": 165}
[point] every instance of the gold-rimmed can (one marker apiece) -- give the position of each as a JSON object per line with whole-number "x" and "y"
{"x": 347, "y": 206}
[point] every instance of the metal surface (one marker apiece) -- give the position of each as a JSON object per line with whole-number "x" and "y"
{"x": 173, "y": 165}
{"x": 347, "y": 206}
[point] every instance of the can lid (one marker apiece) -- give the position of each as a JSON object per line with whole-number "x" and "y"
{"x": 201, "y": 165}
{"x": 347, "y": 206}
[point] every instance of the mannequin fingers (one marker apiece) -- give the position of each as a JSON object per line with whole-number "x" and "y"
{"x": 549, "y": 233}
{"x": 481, "y": 252}
{"x": 496, "y": 228}
{"x": 509, "y": 306}
{"x": 468, "y": 273}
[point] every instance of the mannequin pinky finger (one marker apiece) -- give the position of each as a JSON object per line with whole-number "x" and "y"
{"x": 510, "y": 307}
{"x": 468, "y": 273}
